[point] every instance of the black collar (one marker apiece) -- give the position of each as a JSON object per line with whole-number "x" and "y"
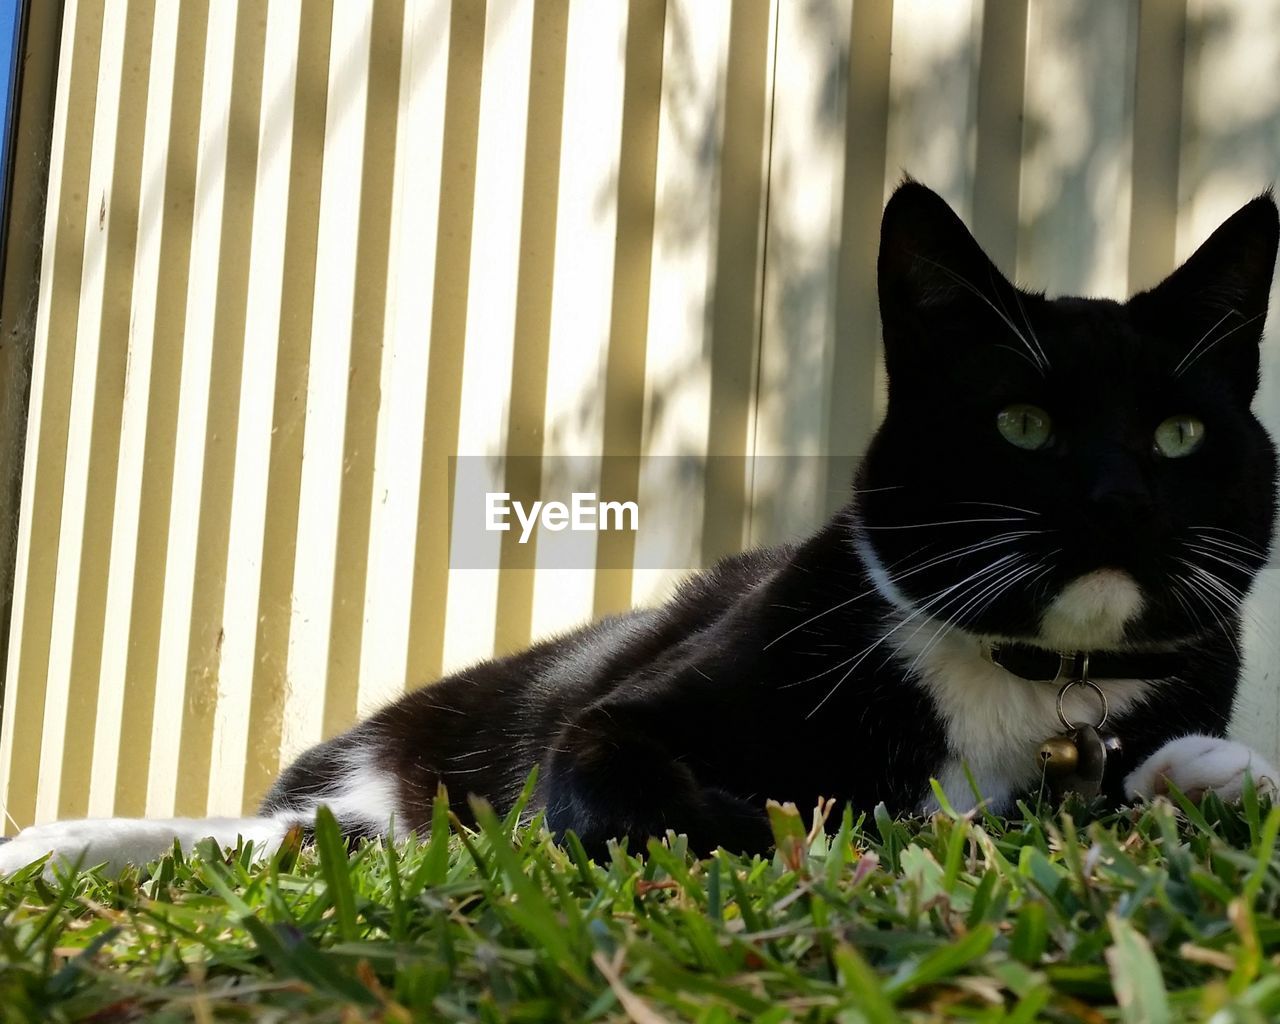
{"x": 1036, "y": 663}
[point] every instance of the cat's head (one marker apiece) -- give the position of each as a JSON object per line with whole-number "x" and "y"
{"x": 1075, "y": 472}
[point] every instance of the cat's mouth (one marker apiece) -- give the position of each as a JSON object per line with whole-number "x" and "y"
{"x": 1092, "y": 611}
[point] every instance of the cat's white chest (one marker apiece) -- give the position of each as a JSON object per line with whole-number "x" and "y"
{"x": 995, "y": 721}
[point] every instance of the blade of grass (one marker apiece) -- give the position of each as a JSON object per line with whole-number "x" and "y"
{"x": 333, "y": 865}
{"x": 1135, "y": 975}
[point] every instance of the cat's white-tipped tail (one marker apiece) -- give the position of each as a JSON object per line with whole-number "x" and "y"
{"x": 117, "y": 842}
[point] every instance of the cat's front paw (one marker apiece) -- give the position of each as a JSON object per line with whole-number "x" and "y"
{"x": 1197, "y": 764}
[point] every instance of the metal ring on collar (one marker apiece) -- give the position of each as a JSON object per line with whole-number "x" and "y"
{"x": 1062, "y": 717}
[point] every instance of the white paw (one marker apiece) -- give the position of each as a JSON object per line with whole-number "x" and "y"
{"x": 1196, "y": 764}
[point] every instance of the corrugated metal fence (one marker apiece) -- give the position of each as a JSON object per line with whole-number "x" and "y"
{"x": 299, "y": 253}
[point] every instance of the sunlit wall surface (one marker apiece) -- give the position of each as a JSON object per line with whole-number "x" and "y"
{"x": 297, "y": 255}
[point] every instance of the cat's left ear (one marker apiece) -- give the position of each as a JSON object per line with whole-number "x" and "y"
{"x": 934, "y": 280}
{"x": 1212, "y": 308}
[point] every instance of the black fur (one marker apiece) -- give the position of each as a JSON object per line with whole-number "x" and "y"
{"x": 689, "y": 716}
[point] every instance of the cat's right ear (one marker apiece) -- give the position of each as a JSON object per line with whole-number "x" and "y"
{"x": 1211, "y": 309}
{"x": 929, "y": 265}
{"x": 1231, "y": 270}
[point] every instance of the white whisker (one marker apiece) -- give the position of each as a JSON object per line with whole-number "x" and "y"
{"x": 1221, "y": 559}
{"x": 999, "y": 504}
{"x": 990, "y": 591}
{"x": 999, "y": 540}
{"x": 947, "y": 522}
{"x": 1177, "y": 370}
{"x": 1211, "y": 601}
{"x": 1181, "y": 369}
{"x": 1040, "y": 359}
{"x": 1243, "y": 549}
{"x": 920, "y": 610}
{"x": 825, "y": 672}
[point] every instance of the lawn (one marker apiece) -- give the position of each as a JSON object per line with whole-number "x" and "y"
{"x": 1167, "y": 913}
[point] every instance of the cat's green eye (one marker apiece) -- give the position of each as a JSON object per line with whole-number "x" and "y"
{"x": 1178, "y": 436}
{"x": 1026, "y": 426}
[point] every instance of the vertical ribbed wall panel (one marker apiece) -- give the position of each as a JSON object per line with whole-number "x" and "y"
{"x": 170, "y": 160}
{"x": 298, "y": 255}
{"x": 27, "y": 708}
{"x": 415, "y": 226}
{"x": 578, "y": 339}
{"x": 212, "y": 341}
{"x": 494, "y": 294}
{"x": 331, "y": 370}
{"x": 1078, "y": 146}
{"x": 623, "y": 388}
{"x": 806, "y": 176}
{"x": 97, "y": 381}
{"x": 692, "y": 127}
{"x": 253, "y": 429}
{"x": 127, "y": 545}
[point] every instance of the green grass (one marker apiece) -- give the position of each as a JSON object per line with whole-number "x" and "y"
{"x": 1163, "y": 914}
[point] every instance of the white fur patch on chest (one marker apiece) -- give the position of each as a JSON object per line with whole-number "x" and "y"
{"x": 995, "y": 721}
{"x": 1092, "y": 611}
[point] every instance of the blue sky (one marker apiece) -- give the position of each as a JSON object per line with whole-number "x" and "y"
{"x": 8, "y": 31}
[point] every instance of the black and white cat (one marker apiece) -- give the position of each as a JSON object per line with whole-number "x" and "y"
{"x": 1069, "y": 476}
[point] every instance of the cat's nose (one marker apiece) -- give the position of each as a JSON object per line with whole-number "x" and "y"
{"x": 1120, "y": 495}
